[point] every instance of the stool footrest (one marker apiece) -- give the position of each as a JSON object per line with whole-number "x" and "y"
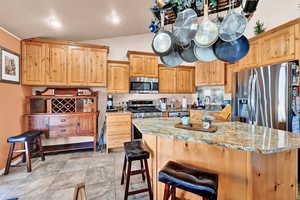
{"x": 138, "y": 191}
{"x": 135, "y": 172}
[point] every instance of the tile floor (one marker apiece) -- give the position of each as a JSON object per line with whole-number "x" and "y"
{"x": 55, "y": 178}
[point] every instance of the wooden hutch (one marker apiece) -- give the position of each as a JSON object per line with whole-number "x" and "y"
{"x": 62, "y": 114}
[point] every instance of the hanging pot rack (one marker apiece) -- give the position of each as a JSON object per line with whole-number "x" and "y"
{"x": 172, "y": 10}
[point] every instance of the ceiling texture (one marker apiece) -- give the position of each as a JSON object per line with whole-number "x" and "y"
{"x": 75, "y": 20}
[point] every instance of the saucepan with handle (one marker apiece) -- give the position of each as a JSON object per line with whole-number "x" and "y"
{"x": 163, "y": 41}
{"x": 208, "y": 31}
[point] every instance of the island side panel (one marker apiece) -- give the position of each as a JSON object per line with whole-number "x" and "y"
{"x": 273, "y": 176}
{"x": 230, "y": 164}
{"x": 150, "y": 142}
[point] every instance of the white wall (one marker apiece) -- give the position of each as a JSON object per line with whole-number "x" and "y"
{"x": 271, "y": 12}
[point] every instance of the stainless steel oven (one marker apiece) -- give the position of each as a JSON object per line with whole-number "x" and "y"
{"x": 143, "y": 85}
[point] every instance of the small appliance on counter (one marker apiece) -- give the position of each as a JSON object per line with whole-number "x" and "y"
{"x": 163, "y": 104}
{"x": 110, "y": 107}
{"x": 184, "y": 103}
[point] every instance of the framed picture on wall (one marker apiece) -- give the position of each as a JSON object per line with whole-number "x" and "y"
{"x": 10, "y": 66}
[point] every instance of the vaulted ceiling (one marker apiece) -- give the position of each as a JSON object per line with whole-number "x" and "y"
{"x": 75, "y": 20}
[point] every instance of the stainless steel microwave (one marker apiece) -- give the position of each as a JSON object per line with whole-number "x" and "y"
{"x": 141, "y": 85}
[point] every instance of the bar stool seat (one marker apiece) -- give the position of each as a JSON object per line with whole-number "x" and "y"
{"x": 200, "y": 182}
{"x": 135, "y": 151}
{"x": 26, "y": 136}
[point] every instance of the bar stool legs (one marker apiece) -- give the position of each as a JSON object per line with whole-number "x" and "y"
{"x": 148, "y": 179}
{"x": 9, "y": 159}
{"x": 127, "y": 173}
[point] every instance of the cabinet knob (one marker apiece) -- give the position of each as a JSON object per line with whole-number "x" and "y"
{"x": 62, "y": 120}
{"x": 62, "y": 130}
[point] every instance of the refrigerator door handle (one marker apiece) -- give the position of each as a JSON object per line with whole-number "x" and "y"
{"x": 249, "y": 98}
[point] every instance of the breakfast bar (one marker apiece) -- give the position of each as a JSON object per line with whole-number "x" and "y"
{"x": 252, "y": 162}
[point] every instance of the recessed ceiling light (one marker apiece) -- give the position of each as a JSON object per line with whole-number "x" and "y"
{"x": 114, "y": 17}
{"x": 54, "y": 23}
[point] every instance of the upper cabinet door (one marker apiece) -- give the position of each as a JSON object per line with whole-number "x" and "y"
{"x": 118, "y": 78}
{"x": 56, "y": 72}
{"x": 97, "y": 67}
{"x": 151, "y": 66}
{"x": 77, "y": 66}
{"x": 202, "y": 73}
{"x": 137, "y": 66}
{"x": 34, "y": 61}
{"x": 253, "y": 58}
{"x": 217, "y": 73}
{"x": 185, "y": 80}
{"x": 167, "y": 80}
{"x": 278, "y": 46}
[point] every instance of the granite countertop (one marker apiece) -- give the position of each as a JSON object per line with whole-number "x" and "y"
{"x": 234, "y": 135}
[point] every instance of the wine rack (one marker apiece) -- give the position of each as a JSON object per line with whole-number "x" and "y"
{"x": 63, "y": 105}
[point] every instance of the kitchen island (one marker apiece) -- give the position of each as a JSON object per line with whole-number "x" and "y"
{"x": 252, "y": 162}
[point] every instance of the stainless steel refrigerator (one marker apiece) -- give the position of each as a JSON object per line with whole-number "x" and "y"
{"x": 268, "y": 96}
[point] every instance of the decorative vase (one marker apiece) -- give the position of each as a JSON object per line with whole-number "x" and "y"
{"x": 206, "y": 125}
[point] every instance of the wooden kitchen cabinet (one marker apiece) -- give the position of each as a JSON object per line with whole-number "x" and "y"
{"x": 34, "y": 61}
{"x": 229, "y": 78}
{"x": 167, "y": 80}
{"x": 62, "y": 63}
{"x": 77, "y": 66}
{"x": 63, "y": 117}
{"x": 278, "y": 46}
{"x": 97, "y": 67}
{"x": 185, "y": 82}
{"x": 176, "y": 80}
{"x": 253, "y": 58}
{"x": 118, "y": 77}
{"x": 143, "y": 64}
{"x": 56, "y": 71}
{"x": 212, "y": 73}
{"x": 118, "y": 129}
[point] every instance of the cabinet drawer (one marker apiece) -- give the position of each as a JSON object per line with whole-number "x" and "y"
{"x": 113, "y": 130}
{"x": 63, "y": 120}
{"x": 63, "y": 131}
{"x": 118, "y": 119}
{"x": 117, "y": 141}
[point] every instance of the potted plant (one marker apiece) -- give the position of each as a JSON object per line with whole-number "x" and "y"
{"x": 207, "y": 121}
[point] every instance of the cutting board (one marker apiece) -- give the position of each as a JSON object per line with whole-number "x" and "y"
{"x": 196, "y": 127}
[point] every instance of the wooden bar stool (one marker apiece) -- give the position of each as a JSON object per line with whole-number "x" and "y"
{"x": 29, "y": 138}
{"x": 135, "y": 151}
{"x": 199, "y": 182}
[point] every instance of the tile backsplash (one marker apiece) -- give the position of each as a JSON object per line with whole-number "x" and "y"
{"x": 119, "y": 98}
{"x": 216, "y": 93}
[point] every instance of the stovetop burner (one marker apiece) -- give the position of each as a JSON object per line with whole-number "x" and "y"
{"x": 144, "y": 109}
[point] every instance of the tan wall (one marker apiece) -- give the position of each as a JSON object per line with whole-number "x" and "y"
{"x": 11, "y": 102}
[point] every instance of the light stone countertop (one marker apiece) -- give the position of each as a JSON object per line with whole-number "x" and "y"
{"x": 234, "y": 135}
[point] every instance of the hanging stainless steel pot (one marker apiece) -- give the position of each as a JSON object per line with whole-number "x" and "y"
{"x": 233, "y": 26}
{"x": 187, "y": 54}
{"x": 163, "y": 41}
{"x": 208, "y": 32}
{"x": 185, "y": 27}
{"x": 173, "y": 59}
{"x": 204, "y": 54}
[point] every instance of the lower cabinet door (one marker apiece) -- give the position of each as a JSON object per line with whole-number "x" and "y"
{"x": 86, "y": 125}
